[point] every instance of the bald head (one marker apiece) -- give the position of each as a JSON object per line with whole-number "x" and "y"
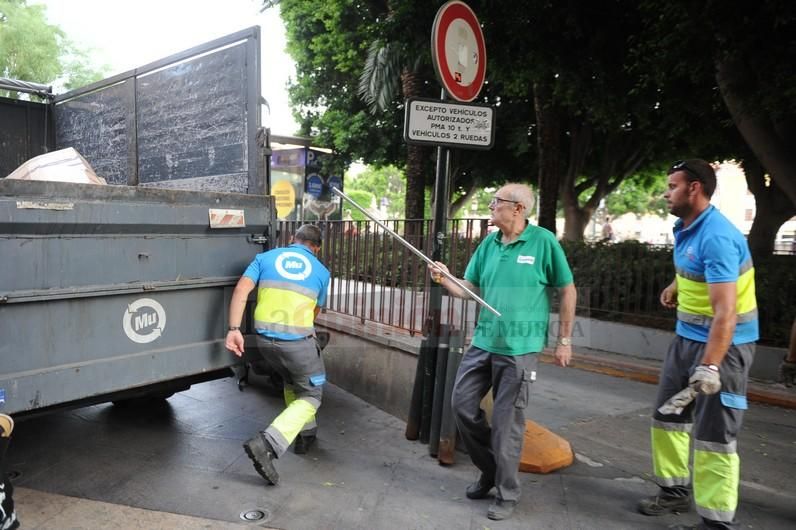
{"x": 519, "y": 193}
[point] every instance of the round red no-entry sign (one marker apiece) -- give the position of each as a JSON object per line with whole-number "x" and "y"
{"x": 458, "y": 51}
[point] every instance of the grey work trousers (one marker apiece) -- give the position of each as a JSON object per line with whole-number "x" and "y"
{"x": 494, "y": 450}
{"x": 713, "y": 420}
{"x": 300, "y": 364}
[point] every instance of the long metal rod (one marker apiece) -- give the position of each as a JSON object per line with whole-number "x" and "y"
{"x": 416, "y": 252}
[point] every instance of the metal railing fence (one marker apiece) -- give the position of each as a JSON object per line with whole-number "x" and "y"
{"x": 374, "y": 278}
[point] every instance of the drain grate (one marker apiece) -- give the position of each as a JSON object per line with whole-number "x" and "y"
{"x": 255, "y": 515}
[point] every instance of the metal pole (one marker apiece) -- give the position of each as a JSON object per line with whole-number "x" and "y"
{"x": 416, "y": 252}
{"x": 439, "y": 389}
{"x": 446, "y": 453}
{"x": 416, "y": 405}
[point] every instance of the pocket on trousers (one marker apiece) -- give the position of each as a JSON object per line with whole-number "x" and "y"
{"x": 525, "y": 389}
{"x": 734, "y": 401}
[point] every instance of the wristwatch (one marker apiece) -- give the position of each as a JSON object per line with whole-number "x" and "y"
{"x": 233, "y": 328}
{"x": 565, "y": 341}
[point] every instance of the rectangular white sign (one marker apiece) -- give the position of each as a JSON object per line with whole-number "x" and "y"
{"x": 451, "y": 124}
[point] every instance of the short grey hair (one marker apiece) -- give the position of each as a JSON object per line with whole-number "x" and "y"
{"x": 520, "y": 193}
{"x": 309, "y": 234}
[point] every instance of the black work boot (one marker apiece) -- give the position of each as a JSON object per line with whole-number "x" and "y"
{"x": 480, "y": 488}
{"x": 662, "y": 504}
{"x": 262, "y": 455}
{"x": 302, "y": 443}
{"x": 501, "y": 509}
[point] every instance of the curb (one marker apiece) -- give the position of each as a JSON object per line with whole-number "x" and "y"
{"x": 647, "y": 373}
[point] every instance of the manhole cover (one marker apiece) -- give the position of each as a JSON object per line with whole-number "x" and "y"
{"x": 256, "y": 515}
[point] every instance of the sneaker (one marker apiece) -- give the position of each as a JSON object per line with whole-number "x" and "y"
{"x": 663, "y": 504}
{"x": 262, "y": 455}
{"x": 501, "y": 509}
{"x": 480, "y": 488}
{"x": 302, "y": 444}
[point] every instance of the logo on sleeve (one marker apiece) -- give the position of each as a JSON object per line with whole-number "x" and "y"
{"x": 528, "y": 260}
{"x": 293, "y": 266}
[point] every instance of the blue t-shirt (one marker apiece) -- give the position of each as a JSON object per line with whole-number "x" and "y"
{"x": 290, "y": 282}
{"x": 713, "y": 250}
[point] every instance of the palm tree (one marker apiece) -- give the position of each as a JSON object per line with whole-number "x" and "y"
{"x": 391, "y": 72}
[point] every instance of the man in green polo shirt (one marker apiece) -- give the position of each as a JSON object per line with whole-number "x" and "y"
{"x": 513, "y": 270}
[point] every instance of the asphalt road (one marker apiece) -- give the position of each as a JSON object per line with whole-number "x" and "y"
{"x": 184, "y": 459}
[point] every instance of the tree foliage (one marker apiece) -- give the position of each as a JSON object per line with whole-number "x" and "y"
{"x": 387, "y": 182}
{"x": 31, "y": 49}
{"x": 640, "y": 194}
{"x": 587, "y": 94}
{"x": 363, "y": 198}
{"x": 729, "y": 65}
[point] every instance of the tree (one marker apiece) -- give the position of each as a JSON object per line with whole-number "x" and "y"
{"x": 736, "y": 59}
{"x": 640, "y": 194}
{"x": 386, "y": 182}
{"x": 392, "y": 65}
{"x": 33, "y": 50}
{"x": 595, "y": 124}
{"x": 331, "y": 43}
{"x": 362, "y": 198}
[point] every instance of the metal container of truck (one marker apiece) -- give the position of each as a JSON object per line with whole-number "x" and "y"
{"x": 118, "y": 291}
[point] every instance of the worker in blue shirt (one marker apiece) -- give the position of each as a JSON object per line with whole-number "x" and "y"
{"x": 714, "y": 294}
{"x": 291, "y": 289}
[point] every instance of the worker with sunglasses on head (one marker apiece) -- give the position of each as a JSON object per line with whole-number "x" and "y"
{"x": 513, "y": 269}
{"x": 714, "y": 294}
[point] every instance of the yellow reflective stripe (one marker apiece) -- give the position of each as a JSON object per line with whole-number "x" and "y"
{"x": 670, "y": 455}
{"x": 716, "y": 479}
{"x": 692, "y": 297}
{"x": 293, "y": 418}
{"x": 277, "y": 306}
{"x": 746, "y": 301}
{"x": 290, "y": 394}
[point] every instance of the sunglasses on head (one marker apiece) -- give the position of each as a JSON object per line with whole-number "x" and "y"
{"x": 682, "y": 165}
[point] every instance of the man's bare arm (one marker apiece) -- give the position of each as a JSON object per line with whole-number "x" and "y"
{"x": 452, "y": 288}
{"x": 722, "y": 299}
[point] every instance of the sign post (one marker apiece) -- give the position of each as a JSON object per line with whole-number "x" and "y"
{"x": 458, "y": 51}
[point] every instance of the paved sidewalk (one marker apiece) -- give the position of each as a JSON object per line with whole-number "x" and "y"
{"x": 183, "y": 462}
{"x": 48, "y": 511}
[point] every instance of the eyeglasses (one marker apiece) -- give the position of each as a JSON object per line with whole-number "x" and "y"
{"x": 496, "y": 200}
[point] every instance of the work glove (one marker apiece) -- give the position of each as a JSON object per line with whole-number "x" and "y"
{"x": 705, "y": 380}
{"x": 787, "y": 372}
